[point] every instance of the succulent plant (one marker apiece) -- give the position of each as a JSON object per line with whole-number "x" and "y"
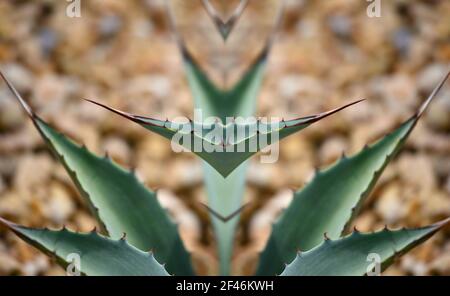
{"x": 138, "y": 237}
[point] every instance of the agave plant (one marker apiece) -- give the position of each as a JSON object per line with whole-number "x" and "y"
{"x": 138, "y": 237}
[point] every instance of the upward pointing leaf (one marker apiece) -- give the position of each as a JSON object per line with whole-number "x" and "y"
{"x": 239, "y": 101}
{"x": 99, "y": 256}
{"x": 331, "y": 200}
{"x": 244, "y": 26}
{"x": 120, "y": 202}
{"x": 225, "y": 194}
{"x": 350, "y": 256}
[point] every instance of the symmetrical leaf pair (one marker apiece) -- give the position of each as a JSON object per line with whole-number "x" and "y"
{"x": 310, "y": 234}
{"x": 326, "y": 205}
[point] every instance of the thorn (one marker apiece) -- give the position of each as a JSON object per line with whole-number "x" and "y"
{"x": 64, "y": 228}
{"x": 425, "y": 104}
{"x": 343, "y": 155}
{"x": 124, "y": 237}
{"x": 18, "y": 96}
{"x": 134, "y": 118}
{"x": 355, "y": 230}
{"x": 320, "y": 116}
{"x": 107, "y": 155}
{"x": 5, "y": 222}
{"x": 385, "y": 227}
{"x": 94, "y": 230}
{"x": 325, "y": 236}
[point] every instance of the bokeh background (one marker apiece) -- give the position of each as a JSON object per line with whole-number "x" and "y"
{"x": 123, "y": 53}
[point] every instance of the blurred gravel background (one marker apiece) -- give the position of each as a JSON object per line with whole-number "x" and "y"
{"x": 123, "y": 53}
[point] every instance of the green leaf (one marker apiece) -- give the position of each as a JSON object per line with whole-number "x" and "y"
{"x": 226, "y": 27}
{"x": 329, "y": 203}
{"x": 239, "y": 101}
{"x": 225, "y": 194}
{"x": 120, "y": 202}
{"x": 217, "y": 145}
{"x": 99, "y": 256}
{"x": 349, "y": 256}
{"x": 225, "y": 197}
{"x": 258, "y": 134}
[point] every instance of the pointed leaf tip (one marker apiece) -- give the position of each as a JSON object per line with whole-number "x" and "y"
{"x": 6, "y": 223}
{"x": 225, "y": 27}
{"x": 19, "y": 98}
{"x": 441, "y": 224}
{"x": 433, "y": 95}
{"x": 126, "y": 115}
{"x": 323, "y": 115}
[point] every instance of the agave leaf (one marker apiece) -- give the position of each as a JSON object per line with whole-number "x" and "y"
{"x": 225, "y": 27}
{"x": 119, "y": 201}
{"x": 333, "y": 198}
{"x": 99, "y": 256}
{"x": 225, "y": 194}
{"x": 221, "y": 56}
{"x": 225, "y": 153}
{"x": 349, "y": 256}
